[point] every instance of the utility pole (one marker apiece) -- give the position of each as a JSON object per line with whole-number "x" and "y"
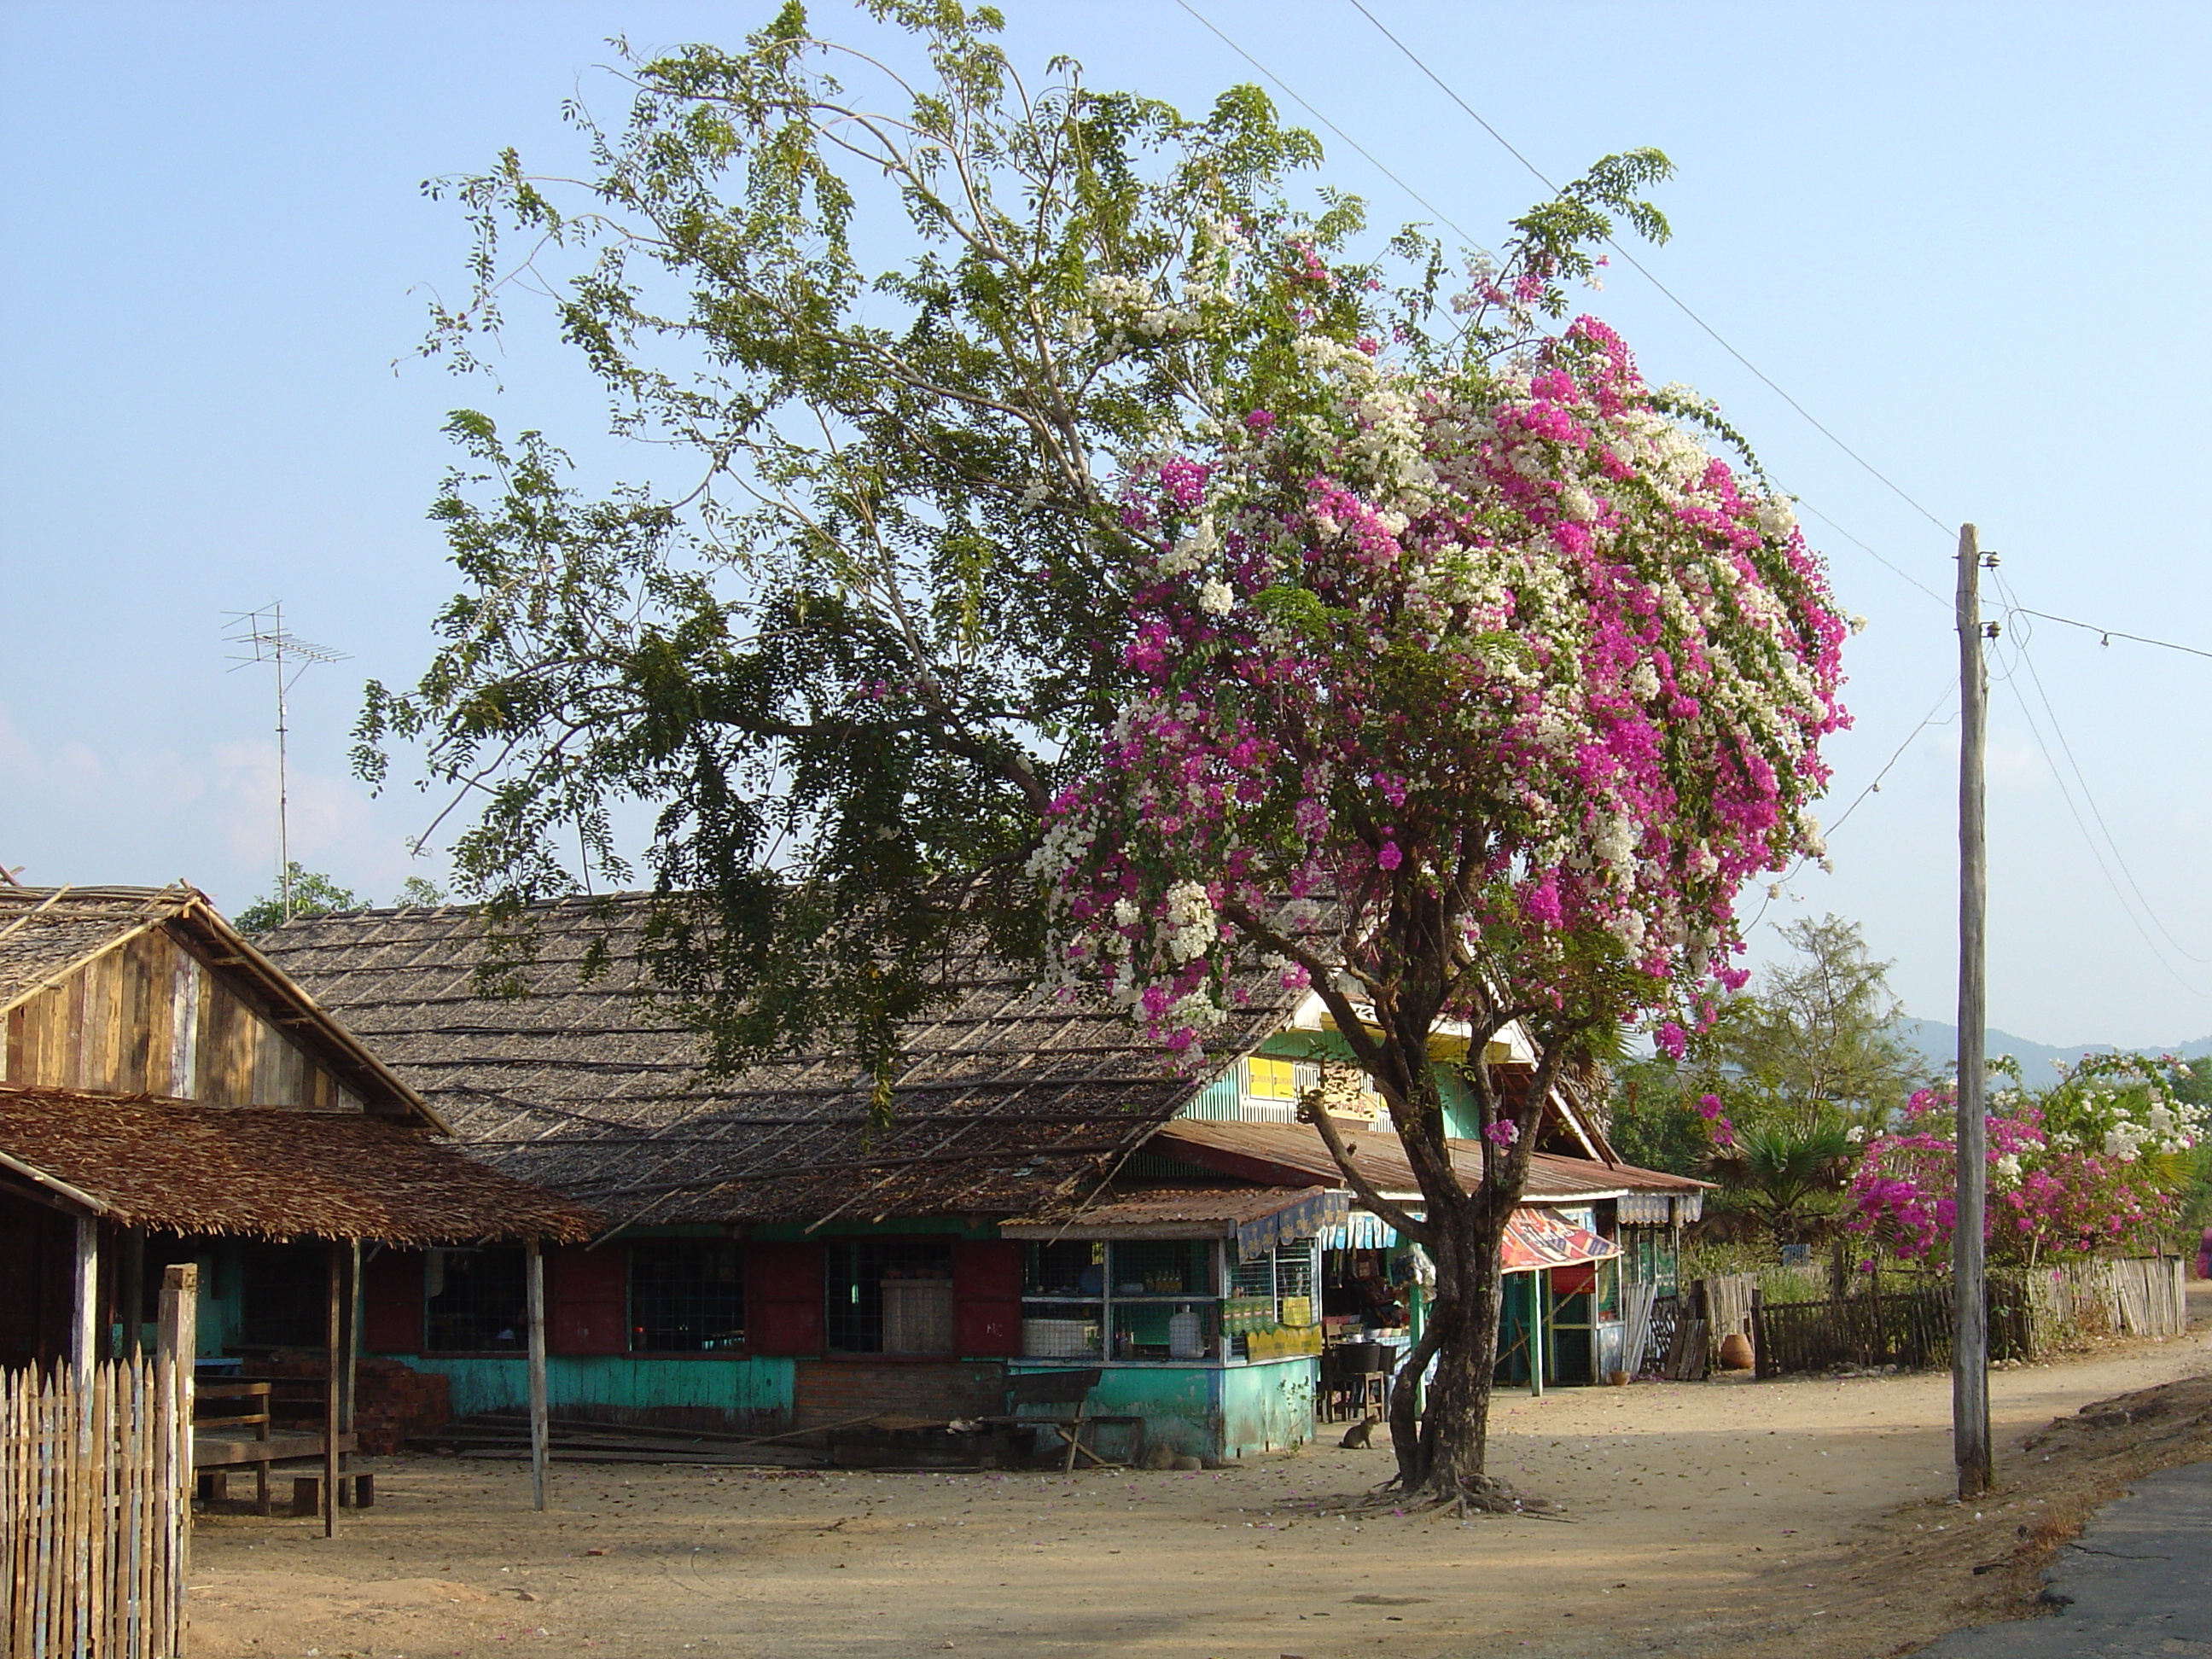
{"x": 1970, "y": 1324}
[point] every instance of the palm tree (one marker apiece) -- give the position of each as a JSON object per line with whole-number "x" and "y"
{"x": 1776, "y": 1170}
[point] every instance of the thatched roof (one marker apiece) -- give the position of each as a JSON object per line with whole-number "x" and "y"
{"x": 1006, "y": 1101}
{"x": 47, "y": 932}
{"x": 264, "y": 1172}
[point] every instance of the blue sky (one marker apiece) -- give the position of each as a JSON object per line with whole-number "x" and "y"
{"x": 1969, "y": 239}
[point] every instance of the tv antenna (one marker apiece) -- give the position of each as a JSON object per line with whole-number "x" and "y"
{"x": 263, "y": 634}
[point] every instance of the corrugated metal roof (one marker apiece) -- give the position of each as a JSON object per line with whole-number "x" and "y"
{"x": 1286, "y": 1154}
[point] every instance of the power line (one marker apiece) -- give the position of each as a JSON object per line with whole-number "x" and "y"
{"x": 2066, "y": 794}
{"x": 1872, "y": 788}
{"x": 2110, "y": 634}
{"x": 2020, "y": 644}
{"x": 1283, "y": 87}
{"x": 1682, "y": 305}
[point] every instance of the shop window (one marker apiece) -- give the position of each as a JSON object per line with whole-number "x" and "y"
{"x": 474, "y": 1301}
{"x": 1137, "y": 1299}
{"x": 686, "y": 1296}
{"x": 1272, "y": 1310}
{"x": 892, "y": 1296}
{"x": 285, "y": 1296}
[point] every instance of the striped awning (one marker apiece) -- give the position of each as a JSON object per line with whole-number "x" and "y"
{"x": 1538, "y": 1238}
{"x": 1362, "y": 1230}
{"x": 1293, "y": 1224}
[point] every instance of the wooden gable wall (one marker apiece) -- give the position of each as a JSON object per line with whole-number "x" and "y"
{"x": 150, "y": 1016}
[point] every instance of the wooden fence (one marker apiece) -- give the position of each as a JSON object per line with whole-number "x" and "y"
{"x": 2140, "y": 1295}
{"x": 1908, "y": 1324}
{"x": 95, "y": 1499}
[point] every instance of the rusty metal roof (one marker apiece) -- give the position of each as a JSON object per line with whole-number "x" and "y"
{"x": 1286, "y": 1154}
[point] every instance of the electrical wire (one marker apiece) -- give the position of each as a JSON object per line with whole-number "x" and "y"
{"x": 2020, "y": 639}
{"x": 2110, "y": 634}
{"x": 1679, "y": 304}
{"x": 1284, "y": 87}
{"x": 1927, "y": 719}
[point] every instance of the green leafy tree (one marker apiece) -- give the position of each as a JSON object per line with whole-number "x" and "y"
{"x": 313, "y": 894}
{"x": 871, "y": 656}
{"x": 417, "y": 890}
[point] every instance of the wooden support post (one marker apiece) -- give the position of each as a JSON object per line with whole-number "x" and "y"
{"x": 1970, "y": 1338}
{"x": 134, "y": 1292}
{"x": 330, "y": 1308}
{"x": 534, "y": 1294}
{"x": 176, "y": 1351}
{"x": 348, "y": 1380}
{"x": 1536, "y": 1333}
{"x": 85, "y": 1343}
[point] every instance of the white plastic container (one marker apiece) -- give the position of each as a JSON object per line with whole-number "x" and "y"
{"x": 1186, "y": 1335}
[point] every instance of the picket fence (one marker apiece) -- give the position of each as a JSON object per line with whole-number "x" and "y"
{"x": 95, "y": 1509}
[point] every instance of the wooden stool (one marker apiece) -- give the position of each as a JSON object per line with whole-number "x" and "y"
{"x": 355, "y": 1491}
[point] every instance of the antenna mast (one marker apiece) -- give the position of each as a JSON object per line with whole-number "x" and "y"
{"x": 262, "y": 635}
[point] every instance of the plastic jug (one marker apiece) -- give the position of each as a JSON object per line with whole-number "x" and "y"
{"x": 1186, "y": 1335}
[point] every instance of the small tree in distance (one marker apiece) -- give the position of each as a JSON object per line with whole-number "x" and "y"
{"x": 313, "y": 893}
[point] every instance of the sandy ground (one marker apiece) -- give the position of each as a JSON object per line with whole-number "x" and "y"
{"x": 1805, "y": 1516}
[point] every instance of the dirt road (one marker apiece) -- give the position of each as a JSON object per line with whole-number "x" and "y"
{"x": 1710, "y": 1518}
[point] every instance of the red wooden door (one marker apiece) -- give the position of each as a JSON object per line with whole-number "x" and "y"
{"x": 588, "y": 1299}
{"x": 987, "y": 1278}
{"x": 392, "y": 1302}
{"x": 784, "y": 1282}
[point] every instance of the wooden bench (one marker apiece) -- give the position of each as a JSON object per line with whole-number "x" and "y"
{"x": 264, "y": 1441}
{"x": 1063, "y": 1389}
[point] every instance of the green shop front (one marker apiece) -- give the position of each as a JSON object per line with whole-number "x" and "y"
{"x": 1200, "y": 1310}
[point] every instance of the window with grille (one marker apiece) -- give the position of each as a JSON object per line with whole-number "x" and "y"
{"x": 474, "y": 1301}
{"x": 1132, "y": 1299}
{"x": 1270, "y": 1290}
{"x": 285, "y": 1296}
{"x": 686, "y": 1296}
{"x": 891, "y": 1296}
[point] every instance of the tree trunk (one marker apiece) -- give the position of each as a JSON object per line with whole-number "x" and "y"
{"x": 1445, "y": 1456}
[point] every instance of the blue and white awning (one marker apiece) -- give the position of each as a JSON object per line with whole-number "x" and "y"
{"x": 1362, "y": 1230}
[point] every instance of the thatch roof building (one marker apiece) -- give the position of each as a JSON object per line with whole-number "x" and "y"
{"x": 1004, "y": 1101}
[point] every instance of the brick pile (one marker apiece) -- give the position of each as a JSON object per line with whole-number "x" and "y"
{"x": 391, "y": 1400}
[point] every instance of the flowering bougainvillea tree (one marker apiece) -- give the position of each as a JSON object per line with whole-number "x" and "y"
{"x": 1467, "y": 691}
{"x": 2093, "y": 1166}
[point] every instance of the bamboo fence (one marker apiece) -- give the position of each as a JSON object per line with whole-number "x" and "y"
{"x": 95, "y": 1509}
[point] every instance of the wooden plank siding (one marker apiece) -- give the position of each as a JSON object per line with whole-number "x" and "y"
{"x": 149, "y": 1015}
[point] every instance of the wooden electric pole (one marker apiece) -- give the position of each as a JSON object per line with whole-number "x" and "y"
{"x": 1970, "y": 1344}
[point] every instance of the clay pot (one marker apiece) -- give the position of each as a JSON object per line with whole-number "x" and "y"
{"x": 1735, "y": 1351}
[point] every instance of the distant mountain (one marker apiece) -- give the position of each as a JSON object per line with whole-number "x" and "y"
{"x": 1939, "y": 1042}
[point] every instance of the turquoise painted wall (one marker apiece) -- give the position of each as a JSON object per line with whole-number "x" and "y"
{"x": 1462, "y": 1119}
{"x": 1203, "y": 1411}
{"x": 1268, "y": 1406}
{"x": 1217, "y": 1103}
{"x": 750, "y": 1391}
